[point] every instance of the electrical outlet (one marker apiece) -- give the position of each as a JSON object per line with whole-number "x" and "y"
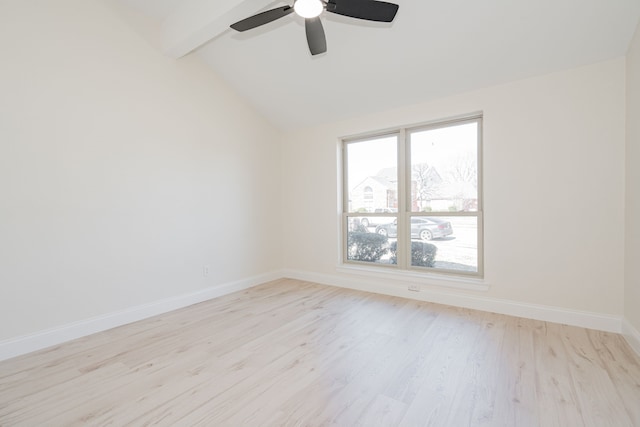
{"x": 205, "y": 271}
{"x": 415, "y": 288}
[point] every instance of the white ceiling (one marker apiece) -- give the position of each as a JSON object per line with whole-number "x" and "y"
{"x": 432, "y": 49}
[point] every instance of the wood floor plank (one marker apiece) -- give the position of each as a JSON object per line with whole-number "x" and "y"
{"x": 622, "y": 366}
{"x": 592, "y": 381}
{"x": 475, "y": 396}
{"x": 445, "y": 367}
{"x": 516, "y": 402}
{"x": 556, "y": 392}
{"x": 294, "y": 353}
{"x": 382, "y": 412}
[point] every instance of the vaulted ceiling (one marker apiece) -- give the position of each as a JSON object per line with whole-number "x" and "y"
{"x": 432, "y": 49}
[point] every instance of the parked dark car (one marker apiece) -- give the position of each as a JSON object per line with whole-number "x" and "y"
{"x": 425, "y": 228}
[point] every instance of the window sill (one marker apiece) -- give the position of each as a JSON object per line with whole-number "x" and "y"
{"x": 429, "y": 279}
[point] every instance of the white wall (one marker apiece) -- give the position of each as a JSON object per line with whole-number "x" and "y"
{"x": 632, "y": 246}
{"x": 122, "y": 172}
{"x": 553, "y": 184}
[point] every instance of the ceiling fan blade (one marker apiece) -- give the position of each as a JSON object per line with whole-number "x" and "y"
{"x": 262, "y": 18}
{"x": 315, "y": 35}
{"x": 371, "y": 10}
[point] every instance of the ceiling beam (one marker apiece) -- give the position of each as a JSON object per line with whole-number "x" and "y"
{"x": 195, "y": 22}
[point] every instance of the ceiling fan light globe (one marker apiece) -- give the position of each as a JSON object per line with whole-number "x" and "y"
{"x": 308, "y": 8}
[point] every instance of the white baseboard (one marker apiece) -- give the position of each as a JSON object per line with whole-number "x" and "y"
{"x": 632, "y": 335}
{"x": 583, "y": 319}
{"x": 26, "y": 344}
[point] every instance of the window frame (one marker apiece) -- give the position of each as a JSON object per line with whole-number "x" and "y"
{"x": 404, "y": 212}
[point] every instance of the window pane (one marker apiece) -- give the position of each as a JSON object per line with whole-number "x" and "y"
{"x": 449, "y": 243}
{"x": 372, "y": 175}
{"x": 444, "y": 169}
{"x": 374, "y": 242}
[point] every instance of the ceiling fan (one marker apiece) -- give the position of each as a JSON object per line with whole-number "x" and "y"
{"x": 370, "y": 10}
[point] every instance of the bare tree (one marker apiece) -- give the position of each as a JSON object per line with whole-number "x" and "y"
{"x": 464, "y": 170}
{"x": 463, "y": 173}
{"x": 426, "y": 180}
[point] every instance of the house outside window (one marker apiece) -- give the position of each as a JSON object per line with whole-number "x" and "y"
{"x": 368, "y": 198}
{"x": 412, "y": 198}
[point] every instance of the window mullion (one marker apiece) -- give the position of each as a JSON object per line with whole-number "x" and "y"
{"x": 404, "y": 201}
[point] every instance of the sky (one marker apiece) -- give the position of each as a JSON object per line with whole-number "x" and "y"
{"x": 436, "y": 147}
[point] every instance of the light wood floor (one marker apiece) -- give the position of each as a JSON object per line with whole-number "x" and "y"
{"x": 291, "y": 353}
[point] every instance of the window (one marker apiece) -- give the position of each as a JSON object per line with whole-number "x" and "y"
{"x": 412, "y": 198}
{"x": 368, "y": 198}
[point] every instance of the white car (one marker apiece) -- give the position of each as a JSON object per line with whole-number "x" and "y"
{"x": 425, "y": 228}
{"x": 372, "y": 221}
